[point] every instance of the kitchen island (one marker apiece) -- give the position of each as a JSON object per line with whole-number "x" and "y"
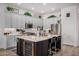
{"x": 34, "y": 45}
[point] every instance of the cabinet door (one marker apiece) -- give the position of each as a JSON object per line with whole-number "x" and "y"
{"x": 15, "y": 21}
{"x": 10, "y": 41}
{"x": 28, "y": 48}
{"x": 2, "y": 16}
{"x": 21, "y": 21}
{"x": 8, "y": 20}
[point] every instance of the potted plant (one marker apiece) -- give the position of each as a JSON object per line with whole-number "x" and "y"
{"x": 52, "y": 16}
{"x": 28, "y": 14}
{"x": 10, "y": 8}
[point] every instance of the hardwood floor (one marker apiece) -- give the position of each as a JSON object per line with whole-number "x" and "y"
{"x": 7, "y": 53}
{"x": 65, "y": 51}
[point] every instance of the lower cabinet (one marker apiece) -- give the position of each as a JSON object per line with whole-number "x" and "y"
{"x": 10, "y": 41}
{"x": 27, "y": 48}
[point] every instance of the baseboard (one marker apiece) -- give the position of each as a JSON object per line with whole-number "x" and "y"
{"x": 11, "y": 48}
{"x": 67, "y": 44}
{"x": 2, "y": 49}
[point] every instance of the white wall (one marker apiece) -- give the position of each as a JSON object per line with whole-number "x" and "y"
{"x": 69, "y": 26}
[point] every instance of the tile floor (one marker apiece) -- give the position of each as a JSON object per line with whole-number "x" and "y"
{"x": 65, "y": 51}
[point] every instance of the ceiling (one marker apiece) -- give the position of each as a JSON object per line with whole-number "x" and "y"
{"x": 43, "y": 8}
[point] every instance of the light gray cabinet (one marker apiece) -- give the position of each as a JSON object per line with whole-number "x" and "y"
{"x": 8, "y": 20}
{"x": 13, "y": 20}
{"x": 18, "y": 21}
{"x": 10, "y": 41}
{"x": 2, "y": 14}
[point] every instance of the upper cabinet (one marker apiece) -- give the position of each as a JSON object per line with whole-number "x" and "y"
{"x": 15, "y": 20}
{"x": 2, "y": 15}
{"x": 18, "y": 21}
{"x": 8, "y": 20}
{"x": 35, "y": 21}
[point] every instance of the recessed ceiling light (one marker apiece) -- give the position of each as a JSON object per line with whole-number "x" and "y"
{"x": 44, "y": 4}
{"x": 53, "y": 8}
{"x": 33, "y": 8}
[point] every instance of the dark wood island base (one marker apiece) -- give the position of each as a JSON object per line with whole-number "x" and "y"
{"x": 29, "y": 48}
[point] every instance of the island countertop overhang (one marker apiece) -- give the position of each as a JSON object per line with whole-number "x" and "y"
{"x": 36, "y": 38}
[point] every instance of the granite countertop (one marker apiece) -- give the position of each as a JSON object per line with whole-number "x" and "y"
{"x": 36, "y": 38}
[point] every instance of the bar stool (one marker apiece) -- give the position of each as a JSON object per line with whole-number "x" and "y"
{"x": 49, "y": 48}
{"x": 54, "y": 45}
{"x": 58, "y": 46}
